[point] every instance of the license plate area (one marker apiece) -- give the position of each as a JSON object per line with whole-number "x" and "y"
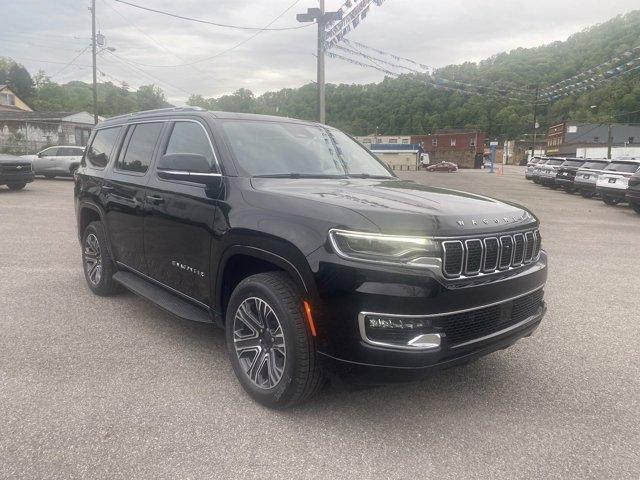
{"x": 612, "y": 180}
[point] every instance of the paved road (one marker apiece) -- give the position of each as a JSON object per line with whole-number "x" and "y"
{"x": 116, "y": 388}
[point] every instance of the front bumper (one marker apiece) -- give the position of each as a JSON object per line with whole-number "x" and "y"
{"x": 564, "y": 182}
{"x": 21, "y": 177}
{"x": 612, "y": 192}
{"x": 347, "y": 291}
{"x": 374, "y": 374}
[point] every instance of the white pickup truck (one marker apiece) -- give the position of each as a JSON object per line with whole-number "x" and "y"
{"x": 59, "y": 161}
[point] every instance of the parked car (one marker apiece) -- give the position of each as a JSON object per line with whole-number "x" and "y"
{"x": 312, "y": 255}
{"x": 613, "y": 182}
{"x": 633, "y": 191}
{"x": 15, "y": 172}
{"x": 442, "y": 167}
{"x": 566, "y": 174}
{"x": 60, "y": 161}
{"x": 548, "y": 171}
{"x": 537, "y": 168}
{"x": 530, "y": 166}
{"x": 587, "y": 176}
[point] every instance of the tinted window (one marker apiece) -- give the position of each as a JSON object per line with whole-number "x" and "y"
{"x": 284, "y": 148}
{"x": 622, "y": 167}
{"x": 69, "y": 152}
{"x": 188, "y": 137}
{"x": 139, "y": 150}
{"x": 572, "y": 163}
{"x": 49, "y": 152}
{"x": 100, "y": 150}
{"x": 595, "y": 165}
{"x": 555, "y": 162}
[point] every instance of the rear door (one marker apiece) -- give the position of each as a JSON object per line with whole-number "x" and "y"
{"x": 179, "y": 221}
{"x": 124, "y": 193}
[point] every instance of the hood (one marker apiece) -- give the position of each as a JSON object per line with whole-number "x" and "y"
{"x": 397, "y": 206}
{"x": 13, "y": 160}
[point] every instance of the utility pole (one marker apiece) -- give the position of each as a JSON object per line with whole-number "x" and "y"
{"x": 321, "y": 114}
{"x": 610, "y": 139}
{"x": 321, "y": 18}
{"x": 93, "y": 55}
{"x": 535, "y": 120}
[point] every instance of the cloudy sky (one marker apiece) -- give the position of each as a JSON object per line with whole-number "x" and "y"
{"x": 184, "y": 57}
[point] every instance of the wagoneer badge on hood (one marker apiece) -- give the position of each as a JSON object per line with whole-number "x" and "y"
{"x": 503, "y": 220}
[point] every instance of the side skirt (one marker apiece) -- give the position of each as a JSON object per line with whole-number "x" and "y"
{"x": 162, "y": 297}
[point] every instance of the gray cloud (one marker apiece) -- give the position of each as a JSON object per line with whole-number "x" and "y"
{"x": 47, "y": 34}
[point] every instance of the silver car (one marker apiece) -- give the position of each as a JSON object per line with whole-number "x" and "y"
{"x": 587, "y": 176}
{"x": 59, "y": 161}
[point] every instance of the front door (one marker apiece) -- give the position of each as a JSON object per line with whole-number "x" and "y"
{"x": 179, "y": 221}
{"x": 124, "y": 194}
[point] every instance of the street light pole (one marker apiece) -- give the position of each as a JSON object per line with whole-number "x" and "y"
{"x": 609, "y": 140}
{"x": 93, "y": 56}
{"x": 535, "y": 120}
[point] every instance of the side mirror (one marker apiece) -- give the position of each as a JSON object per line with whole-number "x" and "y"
{"x": 189, "y": 167}
{"x": 40, "y": 155}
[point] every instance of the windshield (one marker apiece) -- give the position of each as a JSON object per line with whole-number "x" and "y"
{"x": 595, "y": 165}
{"x": 572, "y": 163}
{"x": 622, "y": 167}
{"x": 292, "y": 149}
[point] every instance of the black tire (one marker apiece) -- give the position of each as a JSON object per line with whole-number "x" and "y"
{"x": 635, "y": 206}
{"x": 16, "y": 186}
{"x": 587, "y": 194}
{"x": 99, "y": 275}
{"x": 609, "y": 200}
{"x": 300, "y": 375}
{"x": 48, "y": 176}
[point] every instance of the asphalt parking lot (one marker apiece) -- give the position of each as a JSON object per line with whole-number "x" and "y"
{"x": 96, "y": 387}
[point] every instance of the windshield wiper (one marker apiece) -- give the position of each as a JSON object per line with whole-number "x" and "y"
{"x": 298, "y": 175}
{"x": 366, "y": 175}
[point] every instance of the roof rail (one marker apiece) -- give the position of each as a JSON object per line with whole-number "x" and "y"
{"x": 157, "y": 110}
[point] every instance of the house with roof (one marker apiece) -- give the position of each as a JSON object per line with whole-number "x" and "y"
{"x": 27, "y": 132}
{"x": 10, "y": 101}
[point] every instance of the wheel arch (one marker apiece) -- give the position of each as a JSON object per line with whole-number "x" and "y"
{"x": 240, "y": 261}
{"x": 89, "y": 212}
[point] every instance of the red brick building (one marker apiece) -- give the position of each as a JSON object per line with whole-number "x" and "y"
{"x": 453, "y": 145}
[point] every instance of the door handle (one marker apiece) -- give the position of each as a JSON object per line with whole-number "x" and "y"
{"x": 154, "y": 199}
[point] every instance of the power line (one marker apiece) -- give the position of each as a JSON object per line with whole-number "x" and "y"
{"x": 225, "y": 51}
{"x": 207, "y": 22}
{"x": 71, "y": 62}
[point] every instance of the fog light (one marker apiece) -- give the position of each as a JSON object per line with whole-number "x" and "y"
{"x": 395, "y": 323}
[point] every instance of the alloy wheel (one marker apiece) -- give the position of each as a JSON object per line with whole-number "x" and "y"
{"x": 92, "y": 259}
{"x": 259, "y": 342}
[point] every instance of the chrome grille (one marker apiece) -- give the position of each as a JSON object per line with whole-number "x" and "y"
{"x": 488, "y": 255}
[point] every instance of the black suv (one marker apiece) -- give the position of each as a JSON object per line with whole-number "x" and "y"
{"x": 566, "y": 174}
{"x": 15, "y": 172}
{"x": 312, "y": 255}
{"x": 633, "y": 192}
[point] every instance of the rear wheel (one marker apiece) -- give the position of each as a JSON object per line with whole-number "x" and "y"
{"x": 271, "y": 349}
{"x": 16, "y": 186}
{"x": 636, "y": 207}
{"x": 609, "y": 200}
{"x": 587, "y": 194}
{"x": 96, "y": 261}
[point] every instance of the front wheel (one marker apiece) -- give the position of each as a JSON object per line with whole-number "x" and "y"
{"x": 609, "y": 200}
{"x": 271, "y": 347}
{"x": 16, "y": 186}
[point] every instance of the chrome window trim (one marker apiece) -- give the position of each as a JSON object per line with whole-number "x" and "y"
{"x": 466, "y": 256}
{"x": 363, "y": 334}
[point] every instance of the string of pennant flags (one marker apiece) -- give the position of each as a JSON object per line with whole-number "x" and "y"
{"x": 355, "y": 11}
{"x": 597, "y": 69}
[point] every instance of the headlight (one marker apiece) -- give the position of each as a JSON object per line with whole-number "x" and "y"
{"x": 375, "y": 247}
